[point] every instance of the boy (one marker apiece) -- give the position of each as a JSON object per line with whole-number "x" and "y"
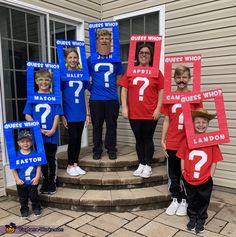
{"x": 198, "y": 185}
{"x": 27, "y": 185}
{"x": 172, "y": 135}
{"x": 104, "y": 105}
{"x": 48, "y": 116}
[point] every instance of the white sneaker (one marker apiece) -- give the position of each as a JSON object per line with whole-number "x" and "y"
{"x": 182, "y": 209}
{"x": 171, "y": 210}
{"x": 139, "y": 171}
{"x": 79, "y": 170}
{"x": 147, "y": 172}
{"x": 71, "y": 171}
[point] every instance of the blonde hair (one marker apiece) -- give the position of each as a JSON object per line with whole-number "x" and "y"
{"x": 43, "y": 73}
{"x": 181, "y": 69}
{"x": 102, "y": 32}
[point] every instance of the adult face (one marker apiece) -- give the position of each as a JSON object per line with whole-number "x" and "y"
{"x": 144, "y": 57}
{"x": 104, "y": 44}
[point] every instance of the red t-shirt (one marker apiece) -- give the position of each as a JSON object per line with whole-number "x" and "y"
{"x": 198, "y": 161}
{"x": 176, "y": 131}
{"x": 142, "y": 95}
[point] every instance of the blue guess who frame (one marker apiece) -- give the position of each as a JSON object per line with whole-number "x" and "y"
{"x": 75, "y": 75}
{"x": 113, "y": 56}
{"x": 49, "y": 98}
{"x": 19, "y": 161}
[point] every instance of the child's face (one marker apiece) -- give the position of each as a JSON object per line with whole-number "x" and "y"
{"x": 182, "y": 81}
{"x": 44, "y": 84}
{"x": 72, "y": 60}
{"x": 200, "y": 124}
{"x": 25, "y": 144}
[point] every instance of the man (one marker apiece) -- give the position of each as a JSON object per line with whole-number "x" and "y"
{"x": 104, "y": 105}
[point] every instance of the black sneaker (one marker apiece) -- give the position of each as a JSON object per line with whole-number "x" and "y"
{"x": 191, "y": 225}
{"x": 96, "y": 156}
{"x": 24, "y": 215}
{"x": 52, "y": 188}
{"x": 112, "y": 156}
{"x": 37, "y": 212}
{"x": 199, "y": 228}
{"x": 44, "y": 187}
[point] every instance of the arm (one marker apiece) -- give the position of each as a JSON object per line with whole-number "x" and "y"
{"x": 156, "y": 113}
{"x": 182, "y": 166}
{"x": 213, "y": 168}
{"x": 17, "y": 179}
{"x": 164, "y": 133}
{"x": 88, "y": 116}
{"x": 50, "y": 132}
{"x": 28, "y": 117}
{"x": 64, "y": 121}
{"x": 36, "y": 179}
{"x": 118, "y": 79}
{"x": 124, "y": 95}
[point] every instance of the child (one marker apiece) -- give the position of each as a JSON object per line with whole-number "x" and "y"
{"x": 76, "y": 112}
{"x": 49, "y": 128}
{"x": 198, "y": 185}
{"x": 27, "y": 186}
{"x": 172, "y": 135}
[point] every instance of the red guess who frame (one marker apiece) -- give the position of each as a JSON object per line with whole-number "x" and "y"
{"x": 209, "y": 138}
{"x": 151, "y": 71}
{"x": 171, "y": 97}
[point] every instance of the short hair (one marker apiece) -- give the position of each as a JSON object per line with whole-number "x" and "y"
{"x": 102, "y": 32}
{"x": 181, "y": 69}
{"x": 145, "y": 45}
{"x": 43, "y": 73}
{"x": 70, "y": 50}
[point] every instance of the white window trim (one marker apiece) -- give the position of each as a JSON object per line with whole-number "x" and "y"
{"x": 161, "y": 10}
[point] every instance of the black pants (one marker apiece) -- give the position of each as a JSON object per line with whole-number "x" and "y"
{"x": 143, "y": 131}
{"x": 108, "y": 111}
{"x": 198, "y": 200}
{"x": 175, "y": 183}
{"x": 49, "y": 169}
{"x": 75, "y": 130}
{"x": 26, "y": 192}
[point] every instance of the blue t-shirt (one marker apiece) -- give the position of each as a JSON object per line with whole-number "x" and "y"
{"x": 104, "y": 80}
{"x": 26, "y": 174}
{"x": 45, "y": 114}
{"x": 74, "y": 101}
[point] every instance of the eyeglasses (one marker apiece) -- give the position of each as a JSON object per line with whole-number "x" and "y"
{"x": 143, "y": 53}
{"x": 44, "y": 79}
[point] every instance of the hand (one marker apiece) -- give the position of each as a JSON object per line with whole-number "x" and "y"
{"x": 164, "y": 149}
{"x": 19, "y": 182}
{"x": 125, "y": 112}
{"x": 156, "y": 114}
{"x": 88, "y": 120}
{"x": 35, "y": 181}
{"x": 47, "y": 133}
{"x": 64, "y": 121}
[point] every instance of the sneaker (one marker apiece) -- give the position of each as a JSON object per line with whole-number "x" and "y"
{"x": 199, "y": 229}
{"x": 52, "y": 188}
{"x": 191, "y": 225}
{"x": 79, "y": 170}
{"x": 171, "y": 210}
{"x": 72, "y": 171}
{"x": 37, "y": 212}
{"x": 44, "y": 187}
{"x": 147, "y": 172}
{"x": 182, "y": 209}
{"x": 112, "y": 156}
{"x": 139, "y": 171}
{"x": 24, "y": 215}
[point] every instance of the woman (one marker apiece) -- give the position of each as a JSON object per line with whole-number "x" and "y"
{"x": 141, "y": 99}
{"x": 76, "y": 112}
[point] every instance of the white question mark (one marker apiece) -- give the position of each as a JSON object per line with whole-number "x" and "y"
{"x": 143, "y": 87}
{"x": 28, "y": 172}
{"x": 77, "y": 91}
{"x": 106, "y": 74}
{"x": 44, "y": 114}
{"x": 181, "y": 117}
{"x": 200, "y": 163}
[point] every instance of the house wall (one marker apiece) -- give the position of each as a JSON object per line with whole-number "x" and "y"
{"x": 206, "y": 27}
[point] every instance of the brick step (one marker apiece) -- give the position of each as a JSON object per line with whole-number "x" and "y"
{"x": 126, "y": 159}
{"x": 111, "y": 179}
{"x": 104, "y": 200}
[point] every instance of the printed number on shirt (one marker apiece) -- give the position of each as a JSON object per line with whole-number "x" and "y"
{"x": 106, "y": 74}
{"x": 77, "y": 91}
{"x": 181, "y": 117}
{"x": 143, "y": 87}
{"x": 200, "y": 163}
{"x": 28, "y": 172}
{"x": 44, "y": 115}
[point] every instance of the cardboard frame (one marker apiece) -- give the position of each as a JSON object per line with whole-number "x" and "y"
{"x": 34, "y": 97}
{"x": 75, "y": 75}
{"x": 175, "y": 97}
{"x": 19, "y": 161}
{"x": 152, "y": 71}
{"x": 113, "y": 56}
{"x": 209, "y": 138}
